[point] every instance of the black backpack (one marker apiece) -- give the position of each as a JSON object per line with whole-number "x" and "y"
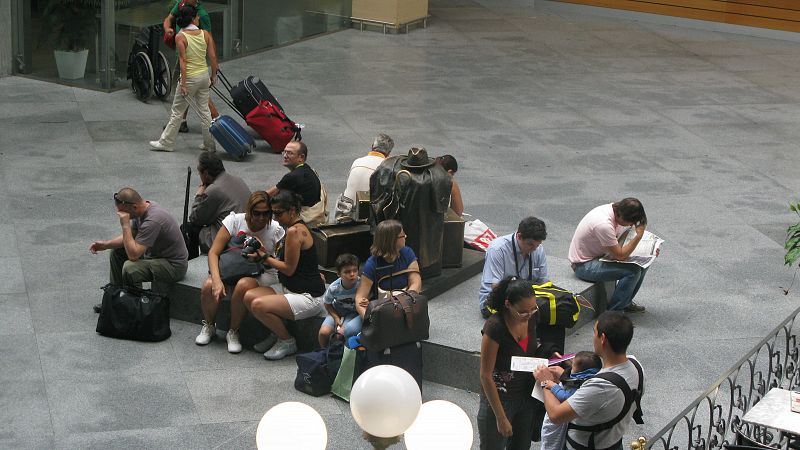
{"x": 631, "y": 397}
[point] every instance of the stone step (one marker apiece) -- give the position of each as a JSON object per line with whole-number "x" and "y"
{"x": 451, "y": 356}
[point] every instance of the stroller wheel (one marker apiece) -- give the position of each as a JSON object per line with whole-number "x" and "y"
{"x": 142, "y": 77}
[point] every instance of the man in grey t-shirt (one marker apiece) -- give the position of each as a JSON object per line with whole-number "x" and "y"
{"x": 150, "y": 247}
{"x": 597, "y": 401}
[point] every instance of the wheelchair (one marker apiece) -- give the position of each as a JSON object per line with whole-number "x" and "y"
{"x": 148, "y": 68}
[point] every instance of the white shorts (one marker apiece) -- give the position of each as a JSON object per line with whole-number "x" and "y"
{"x": 303, "y": 305}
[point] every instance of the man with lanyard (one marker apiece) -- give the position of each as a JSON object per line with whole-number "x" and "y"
{"x": 171, "y": 29}
{"x": 519, "y": 254}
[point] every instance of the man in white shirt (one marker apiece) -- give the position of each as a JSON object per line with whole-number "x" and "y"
{"x": 360, "y": 171}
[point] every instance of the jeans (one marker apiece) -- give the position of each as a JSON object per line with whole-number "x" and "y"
{"x": 133, "y": 273}
{"x": 519, "y": 412}
{"x": 629, "y": 278}
{"x": 352, "y": 324}
{"x": 198, "y": 87}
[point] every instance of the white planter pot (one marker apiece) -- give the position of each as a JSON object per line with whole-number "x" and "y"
{"x": 71, "y": 65}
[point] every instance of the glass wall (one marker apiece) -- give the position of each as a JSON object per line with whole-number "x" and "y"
{"x": 88, "y": 43}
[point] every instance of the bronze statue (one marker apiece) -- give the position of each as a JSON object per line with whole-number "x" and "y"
{"x": 416, "y": 191}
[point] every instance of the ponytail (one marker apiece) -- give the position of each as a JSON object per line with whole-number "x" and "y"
{"x": 511, "y": 288}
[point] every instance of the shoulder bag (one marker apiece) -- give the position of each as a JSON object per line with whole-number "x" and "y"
{"x": 557, "y": 306}
{"x": 233, "y": 266}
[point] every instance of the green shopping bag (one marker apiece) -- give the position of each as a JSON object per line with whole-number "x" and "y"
{"x": 346, "y": 375}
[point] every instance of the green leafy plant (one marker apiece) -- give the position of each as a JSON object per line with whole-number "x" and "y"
{"x": 792, "y": 245}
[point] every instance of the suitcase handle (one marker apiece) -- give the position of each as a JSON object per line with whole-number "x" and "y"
{"x": 225, "y": 81}
{"x": 226, "y": 100}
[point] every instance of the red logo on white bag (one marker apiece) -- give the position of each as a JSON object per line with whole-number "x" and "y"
{"x": 483, "y": 240}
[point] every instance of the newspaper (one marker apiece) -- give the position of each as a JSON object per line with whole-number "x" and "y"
{"x": 645, "y": 252}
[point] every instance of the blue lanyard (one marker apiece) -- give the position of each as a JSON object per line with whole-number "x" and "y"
{"x": 516, "y": 263}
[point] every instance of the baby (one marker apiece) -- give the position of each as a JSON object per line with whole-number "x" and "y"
{"x": 584, "y": 366}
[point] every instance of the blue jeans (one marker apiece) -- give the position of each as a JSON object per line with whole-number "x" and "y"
{"x": 352, "y": 324}
{"x": 629, "y": 278}
{"x": 519, "y": 412}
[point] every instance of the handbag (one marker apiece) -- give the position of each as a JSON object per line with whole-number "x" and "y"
{"x": 134, "y": 314}
{"x": 317, "y": 370}
{"x": 233, "y": 266}
{"x": 557, "y": 306}
{"x": 398, "y": 318}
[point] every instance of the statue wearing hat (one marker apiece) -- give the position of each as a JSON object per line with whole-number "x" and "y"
{"x": 416, "y": 191}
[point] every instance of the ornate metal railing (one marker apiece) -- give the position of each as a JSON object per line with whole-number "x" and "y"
{"x": 715, "y": 417}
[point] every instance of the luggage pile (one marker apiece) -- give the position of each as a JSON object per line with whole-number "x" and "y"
{"x": 251, "y": 99}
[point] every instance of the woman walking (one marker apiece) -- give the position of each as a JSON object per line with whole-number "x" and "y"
{"x": 193, "y": 45}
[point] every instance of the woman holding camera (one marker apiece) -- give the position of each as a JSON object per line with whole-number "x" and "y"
{"x": 299, "y": 293}
{"x": 256, "y": 222}
{"x": 391, "y": 266}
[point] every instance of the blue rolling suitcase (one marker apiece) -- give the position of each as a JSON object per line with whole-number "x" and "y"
{"x": 236, "y": 141}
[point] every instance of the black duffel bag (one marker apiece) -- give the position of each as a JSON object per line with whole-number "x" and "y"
{"x": 133, "y": 313}
{"x": 400, "y": 317}
{"x": 557, "y": 306}
{"x": 316, "y": 370}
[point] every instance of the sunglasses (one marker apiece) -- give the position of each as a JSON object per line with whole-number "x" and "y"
{"x": 278, "y": 212}
{"x": 260, "y": 213}
{"x": 119, "y": 201}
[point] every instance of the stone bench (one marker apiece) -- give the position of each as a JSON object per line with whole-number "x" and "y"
{"x": 185, "y": 300}
{"x": 185, "y": 305}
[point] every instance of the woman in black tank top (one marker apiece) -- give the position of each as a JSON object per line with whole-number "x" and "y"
{"x": 301, "y": 282}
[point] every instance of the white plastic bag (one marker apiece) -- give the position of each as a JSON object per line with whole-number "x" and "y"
{"x": 477, "y": 235}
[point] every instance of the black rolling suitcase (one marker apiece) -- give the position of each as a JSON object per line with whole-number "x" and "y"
{"x": 248, "y": 93}
{"x": 404, "y": 356}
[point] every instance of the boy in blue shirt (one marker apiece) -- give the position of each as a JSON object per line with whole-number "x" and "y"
{"x": 339, "y": 301}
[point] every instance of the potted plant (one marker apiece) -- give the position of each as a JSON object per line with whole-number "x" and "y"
{"x": 71, "y": 26}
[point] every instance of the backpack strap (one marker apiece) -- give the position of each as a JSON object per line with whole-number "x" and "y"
{"x": 637, "y": 413}
{"x": 631, "y": 397}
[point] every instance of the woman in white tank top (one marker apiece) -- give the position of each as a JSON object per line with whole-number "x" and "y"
{"x": 194, "y": 46}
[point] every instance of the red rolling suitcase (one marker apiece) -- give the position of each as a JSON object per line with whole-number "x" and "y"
{"x": 272, "y": 125}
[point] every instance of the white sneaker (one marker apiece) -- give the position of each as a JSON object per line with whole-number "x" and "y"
{"x": 282, "y": 349}
{"x": 266, "y": 344}
{"x": 234, "y": 346}
{"x": 207, "y": 149}
{"x": 159, "y": 147}
{"x": 207, "y": 333}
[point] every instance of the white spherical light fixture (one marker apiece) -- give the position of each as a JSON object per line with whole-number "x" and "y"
{"x": 385, "y": 401}
{"x": 291, "y": 425}
{"x": 440, "y": 424}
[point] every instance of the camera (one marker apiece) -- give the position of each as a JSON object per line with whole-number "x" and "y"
{"x": 250, "y": 246}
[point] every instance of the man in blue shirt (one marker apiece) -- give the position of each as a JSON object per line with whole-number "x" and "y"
{"x": 518, "y": 254}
